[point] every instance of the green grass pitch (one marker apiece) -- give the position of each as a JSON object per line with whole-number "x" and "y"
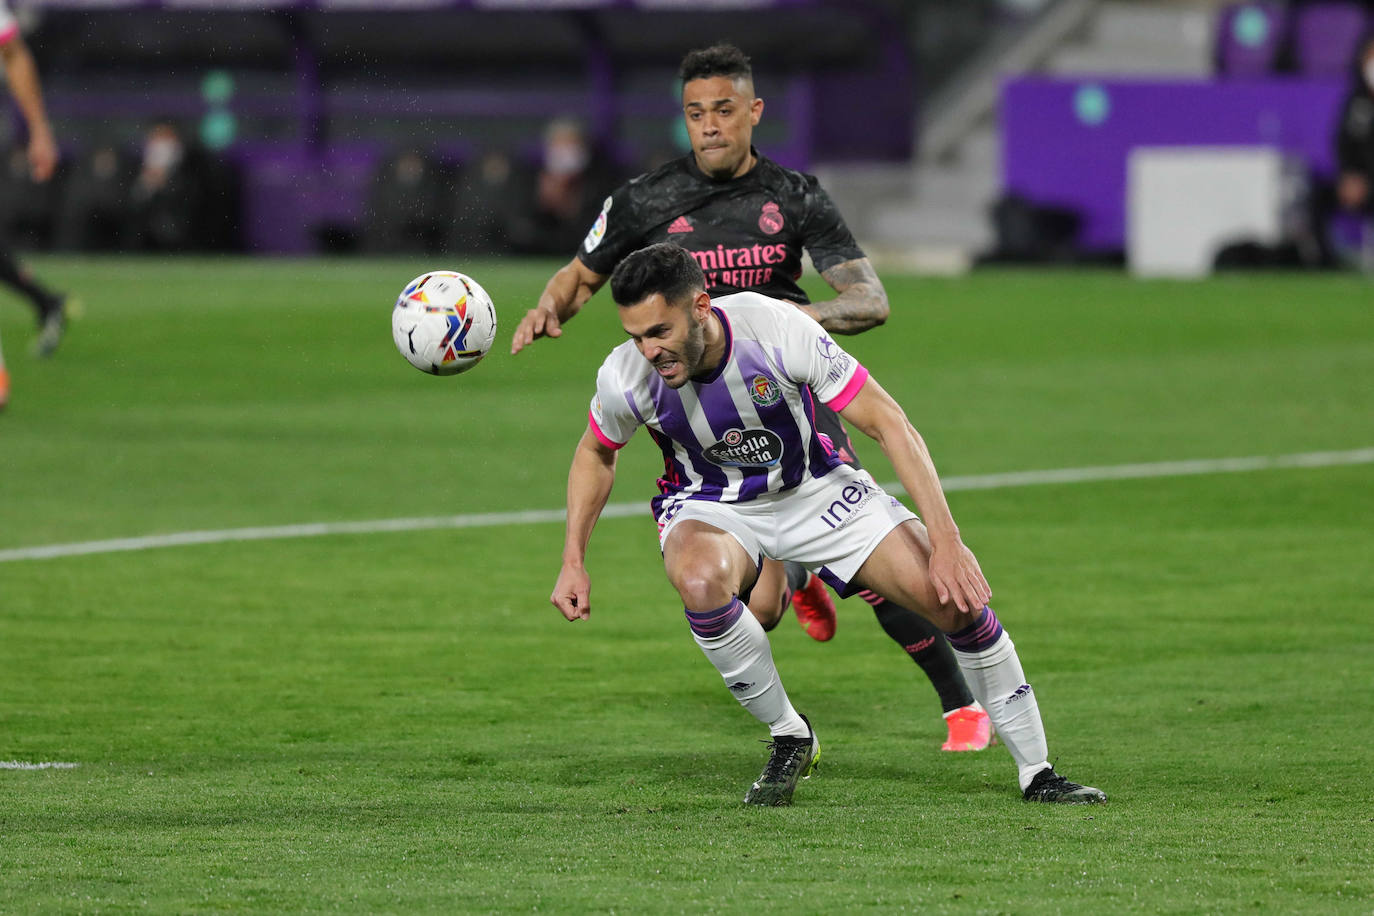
{"x": 400, "y": 722}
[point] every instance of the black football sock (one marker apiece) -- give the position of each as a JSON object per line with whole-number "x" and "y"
{"x": 13, "y": 275}
{"x": 797, "y": 575}
{"x": 927, "y": 646}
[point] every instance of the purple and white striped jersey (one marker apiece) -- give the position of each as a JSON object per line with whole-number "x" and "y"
{"x": 749, "y": 427}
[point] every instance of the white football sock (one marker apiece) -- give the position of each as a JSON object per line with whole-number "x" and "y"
{"x": 997, "y": 681}
{"x": 744, "y": 659}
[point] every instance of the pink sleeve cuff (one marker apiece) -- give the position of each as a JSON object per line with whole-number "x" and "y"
{"x": 841, "y": 401}
{"x": 602, "y": 437}
{"x": 7, "y": 34}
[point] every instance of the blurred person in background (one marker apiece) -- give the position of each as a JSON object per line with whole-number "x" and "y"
{"x": 26, "y": 220}
{"x": 21, "y": 75}
{"x": 747, "y": 221}
{"x": 408, "y": 209}
{"x": 1355, "y": 136}
{"x": 165, "y": 194}
{"x": 553, "y": 203}
{"x": 91, "y": 215}
{"x": 483, "y": 199}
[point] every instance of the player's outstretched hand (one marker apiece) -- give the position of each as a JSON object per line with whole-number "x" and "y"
{"x": 536, "y": 323}
{"x": 955, "y": 573}
{"x": 572, "y": 593}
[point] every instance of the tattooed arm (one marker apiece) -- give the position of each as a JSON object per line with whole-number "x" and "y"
{"x": 860, "y": 302}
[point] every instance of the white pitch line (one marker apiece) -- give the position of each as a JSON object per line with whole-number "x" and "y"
{"x": 45, "y": 765}
{"x": 1159, "y": 469}
{"x": 622, "y": 510}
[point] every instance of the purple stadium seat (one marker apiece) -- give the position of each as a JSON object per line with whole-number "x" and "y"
{"x": 1325, "y": 35}
{"x": 1249, "y": 37}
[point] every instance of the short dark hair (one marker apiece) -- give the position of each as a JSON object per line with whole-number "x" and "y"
{"x": 663, "y": 268}
{"x": 718, "y": 60}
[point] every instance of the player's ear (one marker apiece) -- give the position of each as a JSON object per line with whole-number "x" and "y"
{"x": 755, "y": 111}
{"x": 701, "y": 304}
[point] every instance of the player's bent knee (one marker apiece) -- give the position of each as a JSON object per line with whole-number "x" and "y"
{"x": 948, "y": 617}
{"x": 922, "y": 599}
{"x": 702, "y": 589}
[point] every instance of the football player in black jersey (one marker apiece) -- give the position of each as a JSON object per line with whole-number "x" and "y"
{"x": 746, "y": 220}
{"x": 22, "y": 76}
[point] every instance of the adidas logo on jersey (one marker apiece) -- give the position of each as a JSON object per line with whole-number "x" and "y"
{"x": 679, "y": 225}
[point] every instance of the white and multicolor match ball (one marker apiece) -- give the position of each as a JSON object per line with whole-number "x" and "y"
{"x": 443, "y": 322}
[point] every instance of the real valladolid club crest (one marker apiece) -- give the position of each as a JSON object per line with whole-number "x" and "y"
{"x": 770, "y": 220}
{"x": 764, "y": 392}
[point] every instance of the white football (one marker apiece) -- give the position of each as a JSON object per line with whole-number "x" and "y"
{"x": 443, "y": 322}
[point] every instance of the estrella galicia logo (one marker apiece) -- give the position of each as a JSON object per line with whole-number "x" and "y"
{"x": 746, "y": 448}
{"x": 740, "y": 686}
{"x": 764, "y": 391}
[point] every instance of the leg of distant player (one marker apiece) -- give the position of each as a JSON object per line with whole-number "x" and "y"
{"x": 899, "y": 568}
{"x": 770, "y": 594}
{"x": 50, "y": 306}
{"x": 966, "y": 721}
{"x": 782, "y": 584}
{"x": 811, "y": 602}
{"x": 4, "y": 381}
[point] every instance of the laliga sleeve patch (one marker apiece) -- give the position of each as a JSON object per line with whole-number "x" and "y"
{"x": 598, "y": 230}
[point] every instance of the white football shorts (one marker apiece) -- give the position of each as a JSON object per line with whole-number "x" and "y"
{"x": 829, "y": 525}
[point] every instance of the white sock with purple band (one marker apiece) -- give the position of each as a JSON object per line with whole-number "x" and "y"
{"x": 735, "y": 643}
{"x": 988, "y": 659}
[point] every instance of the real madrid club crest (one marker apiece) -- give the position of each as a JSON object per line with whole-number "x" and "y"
{"x": 770, "y": 220}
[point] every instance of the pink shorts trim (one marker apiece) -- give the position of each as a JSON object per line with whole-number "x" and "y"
{"x": 7, "y": 34}
{"x": 841, "y": 401}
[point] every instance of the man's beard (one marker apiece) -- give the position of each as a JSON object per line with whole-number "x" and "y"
{"x": 690, "y": 356}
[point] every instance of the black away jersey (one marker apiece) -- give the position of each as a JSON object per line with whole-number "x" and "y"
{"x": 747, "y": 233}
